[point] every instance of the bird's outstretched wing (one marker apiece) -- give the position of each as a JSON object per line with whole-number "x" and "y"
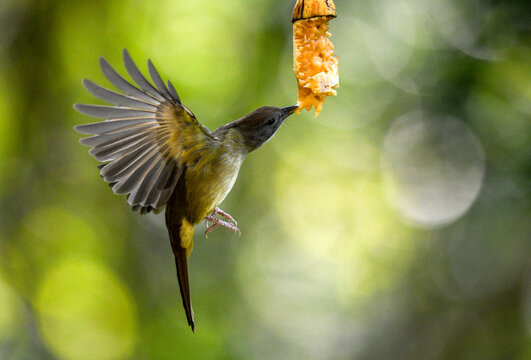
{"x": 145, "y": 136}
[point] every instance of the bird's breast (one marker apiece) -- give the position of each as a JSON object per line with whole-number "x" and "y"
{"x": 210, "y": 180}
{"x": 227, "y": 173}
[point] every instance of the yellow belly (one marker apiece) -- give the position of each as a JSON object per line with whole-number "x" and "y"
{"x": 209, "y": 182}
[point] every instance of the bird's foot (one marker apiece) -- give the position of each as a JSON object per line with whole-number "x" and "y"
{"x": 230, "y": 224}
{"x": 225, "y": 215}
{"x": 218, "y": 222}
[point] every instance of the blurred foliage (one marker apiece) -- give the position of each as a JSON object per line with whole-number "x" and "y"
{"x": 394, "y": 226}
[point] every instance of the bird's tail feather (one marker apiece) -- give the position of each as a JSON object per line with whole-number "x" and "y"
{"x": 181, "y": 262}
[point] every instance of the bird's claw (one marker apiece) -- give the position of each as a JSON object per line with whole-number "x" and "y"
{"x": 225, "y": 215}
{"x": 230, "y": 224}
{"x": 218, "y": 222}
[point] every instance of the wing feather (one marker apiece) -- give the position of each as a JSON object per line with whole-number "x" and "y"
{"x": 173, "y": 92}
{"x": 137, "y": 76}
{"x": 125, "y": 163}
{"x": 124, "y": 85}
{"x": 159, "y": 184}
{"x": 112, "y": 151}
{"x": 110, "y": 113}
{"x": 157, "y": 80}
{"x": 112, "y": 137}
{"x": 141, "y": 193}
{"x": 143, "y": 137}
{"x": 128, "y": 184}
{"x": 116, "y": 98}
{"x": 104, "y": 127}
{"x": 167, "y": 187}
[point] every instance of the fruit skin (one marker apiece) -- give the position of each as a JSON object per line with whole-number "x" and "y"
{"x": 306, "y": 9}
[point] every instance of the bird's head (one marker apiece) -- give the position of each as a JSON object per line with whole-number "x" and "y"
{"x": 260, "y": 125}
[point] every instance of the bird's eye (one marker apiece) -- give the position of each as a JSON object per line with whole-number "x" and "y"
{"x": 271, "y": 121}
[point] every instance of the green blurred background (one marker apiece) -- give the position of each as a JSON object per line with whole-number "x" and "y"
{"x": 396, "y": 225}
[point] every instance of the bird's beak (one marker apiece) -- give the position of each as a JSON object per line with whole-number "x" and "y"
{"x": 288, "y": 110}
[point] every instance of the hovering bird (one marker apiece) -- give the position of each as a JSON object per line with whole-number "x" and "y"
{"x": 155, "y": 151}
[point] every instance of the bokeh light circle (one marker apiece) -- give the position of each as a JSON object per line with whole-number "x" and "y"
{"x": 85, "y": 312}
{"x": 433, "y": 168}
